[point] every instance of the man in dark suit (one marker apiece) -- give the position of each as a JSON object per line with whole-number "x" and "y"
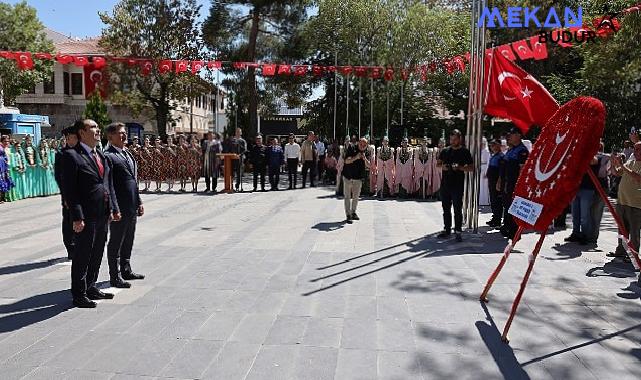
{"x": 127, "y": 203}
{"x": 86, "y": 183}
{"x": 71, "y": 139}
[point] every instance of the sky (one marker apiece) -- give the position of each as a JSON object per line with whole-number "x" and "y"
{"x": 79, "y": 18}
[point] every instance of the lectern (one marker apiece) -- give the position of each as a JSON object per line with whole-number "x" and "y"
{"x": 228, "y": 158}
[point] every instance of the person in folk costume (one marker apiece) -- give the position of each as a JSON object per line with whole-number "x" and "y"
{"x": 32, "y": 169}
{"x": 211, "y": 148}
{"x": 170, "y": 163}
{"x": 385, "y": 168}
{"x": 6, "y": 182}
{"x": 18, "y": 167}
{"x": 196, "y": 164}
{"x": 422, "y": 167}
{"x": 145, "y": 164}
{"x": 437, "y": 172}
{"x": 404, "y": 168}
{"x": 182, "y": 161}
{"x": 42, "y": 168}
{"x": 134, "y": 149}
{"x": 157, "y": 164}
{"x": 369, "y": 184}
{"x": 484, "y": 191}
{"x": 340, "y": 164}
{"x": 53, "y": 148}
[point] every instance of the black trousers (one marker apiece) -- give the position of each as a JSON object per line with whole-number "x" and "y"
{"x": 508, "y": 220}
{"x": 452, "y": 197}
{"x": 308, "y": 166}
{"x": 259, "y": 171}
{"x": 237, "y": 167}
{"x": 121, "y": 242}
{"x": 496, "y": 201}
{"x": 211, "y": 179}
{"x": 90, "y": 244}
{"x": 292, "y": 171}
{"x": 274, "y": 176}
{"x": 67, "y": 232}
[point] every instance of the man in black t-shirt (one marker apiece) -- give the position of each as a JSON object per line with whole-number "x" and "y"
{"x": 353, "y": 175}
{"x": 454, "y": 160}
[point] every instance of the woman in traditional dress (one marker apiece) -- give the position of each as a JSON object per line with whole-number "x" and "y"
{"x": 6, "y": 183}
{"x": 385, "y": 168}
{"x": 422, "y": 166}
{"x": 195, "y": 164}
{"x": 54, "y": 146}
{"x": 157, "y": 164}
{"x": 404, "y": 168}
{"x": 17, "y": 172}
{"x": 30, "y": 154}
{"x": 170, "y": 164}
{"x": 182, "y": 162}
{"x": 145, "y": 164}
{"x": 484, "y": 191}
{"x": 437, "y": 172}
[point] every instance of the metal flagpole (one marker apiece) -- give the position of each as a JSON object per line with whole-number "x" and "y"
{"x": 371, "y": 108}
{"x": 387, "y": 117}
{"x": 335, "y": 88}
{"x": 217, "y": 103}
{"x": 402, "y": 86}
{"x": 360, "y": 88}
{"x": 347, "y": 106}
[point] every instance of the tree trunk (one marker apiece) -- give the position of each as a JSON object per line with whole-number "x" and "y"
{"x": 162, "y": 111}
{"x": 251, "y": 74}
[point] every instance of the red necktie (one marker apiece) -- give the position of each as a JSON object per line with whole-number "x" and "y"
{"x": 101, "y": 169}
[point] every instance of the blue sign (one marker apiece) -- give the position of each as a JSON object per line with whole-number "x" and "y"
{"x": 525, "y": 17}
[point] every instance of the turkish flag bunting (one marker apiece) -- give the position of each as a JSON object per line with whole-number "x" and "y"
{"x": 145, "y": 67}
{"x": 317, "y": 70}
{"x": 423, "y": 72}
{"x": 376, "y": 72}
{"x": 196, "y": 66}
{"x": 99, "y": 62}
{"x": 360, "y": 71}
{"x": 389, "y": 73}
{"x": 449, "y": 67}
{"x": 539, "y": 50}
{"x": 300, "y": 70}
{"x": 133, "y": 61}
{"x": 506, "y": 50}
{"x": 331, "y": 69}
{"x": 95, "y": 80}
{"x": 345, "y": 70}
{"x": 405, "y": 74}
{"x": 515, "y": 94}
{"x": 239, "y": 65}
{"x": 6, "y": 54}
{"x": 24, "y": 60}
{"x": 523, "y": 50}
{"x": 214, "y": 65}
{"x": 165, "y": 66}
{"x": 43, "y": 56}
{"x": 181, "y": 66}
{"x": 64, "y": 59}
{"x": 269, "y": 69}
{"x": 80, "y": 60}
{"x": 558, "y": 35}
{"x": 284, "y": 69}
{"x": 459, "y": 63}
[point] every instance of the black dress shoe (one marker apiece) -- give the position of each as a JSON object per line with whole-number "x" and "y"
{"x": 96, "y": 294}
{"x": 444, "y": 234}
{"x": 120, "y": 283}
{"x": 132, "y": 276}
{"x": 84, "y": 303}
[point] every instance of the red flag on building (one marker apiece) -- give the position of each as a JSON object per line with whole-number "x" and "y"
{"x": 515, "y": 94}
{"x": 24, "y": 60}
{"x": 95, "y": 79}
{"x": 80, "y": 60}
{"x": 43, "y": 55}
{"x": 64, "y": 59}
{"x": 99, "y": 62}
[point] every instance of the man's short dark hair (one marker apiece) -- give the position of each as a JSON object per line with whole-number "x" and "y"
{"x": 113, "y": 128}
{"x": 70, "y": 131}
{"x": 456, "y": 132}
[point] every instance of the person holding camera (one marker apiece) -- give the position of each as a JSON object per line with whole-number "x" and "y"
{"x": 454, "y": 161}
{"x": 354, "y": 171}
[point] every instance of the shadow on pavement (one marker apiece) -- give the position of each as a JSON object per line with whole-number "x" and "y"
{"x": 33, "y": 310}
{"x": 31, "y": 266}
{"x": 329, "y": 227}
{"x": 614, "y": 268}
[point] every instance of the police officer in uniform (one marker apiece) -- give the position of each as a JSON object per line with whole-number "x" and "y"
{"x": 514, "y": 160}
{"x": 258, "y": 159}
{"x": 493, "y": 174}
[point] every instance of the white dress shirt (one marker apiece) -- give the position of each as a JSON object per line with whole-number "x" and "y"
{"x": 292, "y": 150}
{"x": 320, "y": 148}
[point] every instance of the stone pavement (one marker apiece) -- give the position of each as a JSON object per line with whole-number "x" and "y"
{"x": 274, "y": 286}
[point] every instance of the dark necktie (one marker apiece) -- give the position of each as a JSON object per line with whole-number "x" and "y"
{"x": 96, "y": 158}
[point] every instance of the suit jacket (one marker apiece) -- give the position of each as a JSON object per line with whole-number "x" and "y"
{"x": 88, "y": 195}
{"x": 125, "y": 185}
{"x": 57, "y": 172}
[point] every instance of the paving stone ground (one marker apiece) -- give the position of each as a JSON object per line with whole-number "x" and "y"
{"x": 274, "y": 286}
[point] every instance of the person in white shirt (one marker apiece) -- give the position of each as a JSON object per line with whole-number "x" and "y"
{"x": 292, "y": 153}
{"x": 321, "y": 149}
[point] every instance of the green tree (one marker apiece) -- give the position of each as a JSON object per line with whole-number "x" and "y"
{"x": 156, "y": 30}
{"x": 253, "y": 30}
{"x": 96, "y": 110}
{"x": 20, "y": 30}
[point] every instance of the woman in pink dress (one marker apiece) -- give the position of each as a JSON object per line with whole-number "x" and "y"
{"x": 437, "y": 173}
{"x": 405, "y": 168}
{"x": 422, "y": 168}
{"x": 372, "y": 169}
{"x": 385, "y": 168}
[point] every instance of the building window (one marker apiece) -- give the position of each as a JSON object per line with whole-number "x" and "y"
{"x": 50, "y": 85}
{"x": 65, "y": 83}
{"x": 76, "y": 84}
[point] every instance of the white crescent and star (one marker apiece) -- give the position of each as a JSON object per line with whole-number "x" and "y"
{"x": 542, "y": 176}
{"x": 525, "y": 92}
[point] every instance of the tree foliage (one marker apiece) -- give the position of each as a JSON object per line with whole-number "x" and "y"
{"x": 153, "y": 29}
{"x": 96, "y": 110}
{"x": 20, "y": 30}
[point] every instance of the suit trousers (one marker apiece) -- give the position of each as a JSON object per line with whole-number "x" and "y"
{"x": 259, "y": 171}
{"x": 292, "y": 171}
{"x": 67, "y": 231}
{"x": 211, "y": 180}
{"x": 496, "y": 203}
{"x": 87, "y": 256}
{"x": 308, "y": 166}
{"x": 274, "y": 176}
{"x": 452, "y": 197}
{"x": 121, "y": 242}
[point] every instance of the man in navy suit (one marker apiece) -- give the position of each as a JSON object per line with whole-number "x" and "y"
{"x": 71, "y": 140}
{"x": 127, "y": 203}
{"x": 87, "y": 189}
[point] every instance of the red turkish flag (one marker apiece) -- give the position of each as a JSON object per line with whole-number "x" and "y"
{"x": 24, "y": 60}
{"x": 506, "y": 50}
{"x": 80, "y": 61}
{"x": 99, "y": 62}
{"x": 6, "y": 54}
{"x": 523, "y": 50}
{"x": 300, "y": 70}
{"x": 43, "y": 55}
{"x": 376, "y": 72}
{"x": 560, "y": 158}
{"x": 64, "y": 59}
{"x": 345, "y": 70}
{"x": 165, "y": 66}
{"x": 145, "y": 67}
{"x": 360, "y": 71}
{"x": 331, "y": 69}
{"x": 284, "y": 69}
{"x": 389, "y": 74}
{"x": 95, "y": 79}
{"x": 181, "y": 66}
{"x": 515, "y": 94}
{"x": 539, "y": 50}
{"x": 196, "y": 66}
{"x": 317, "y": 70}
{"x": 214, "y": 65}
{"x": 459, "y": 63}
{"x": 405, "y": 74}
{"x": 269, "y": 69}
